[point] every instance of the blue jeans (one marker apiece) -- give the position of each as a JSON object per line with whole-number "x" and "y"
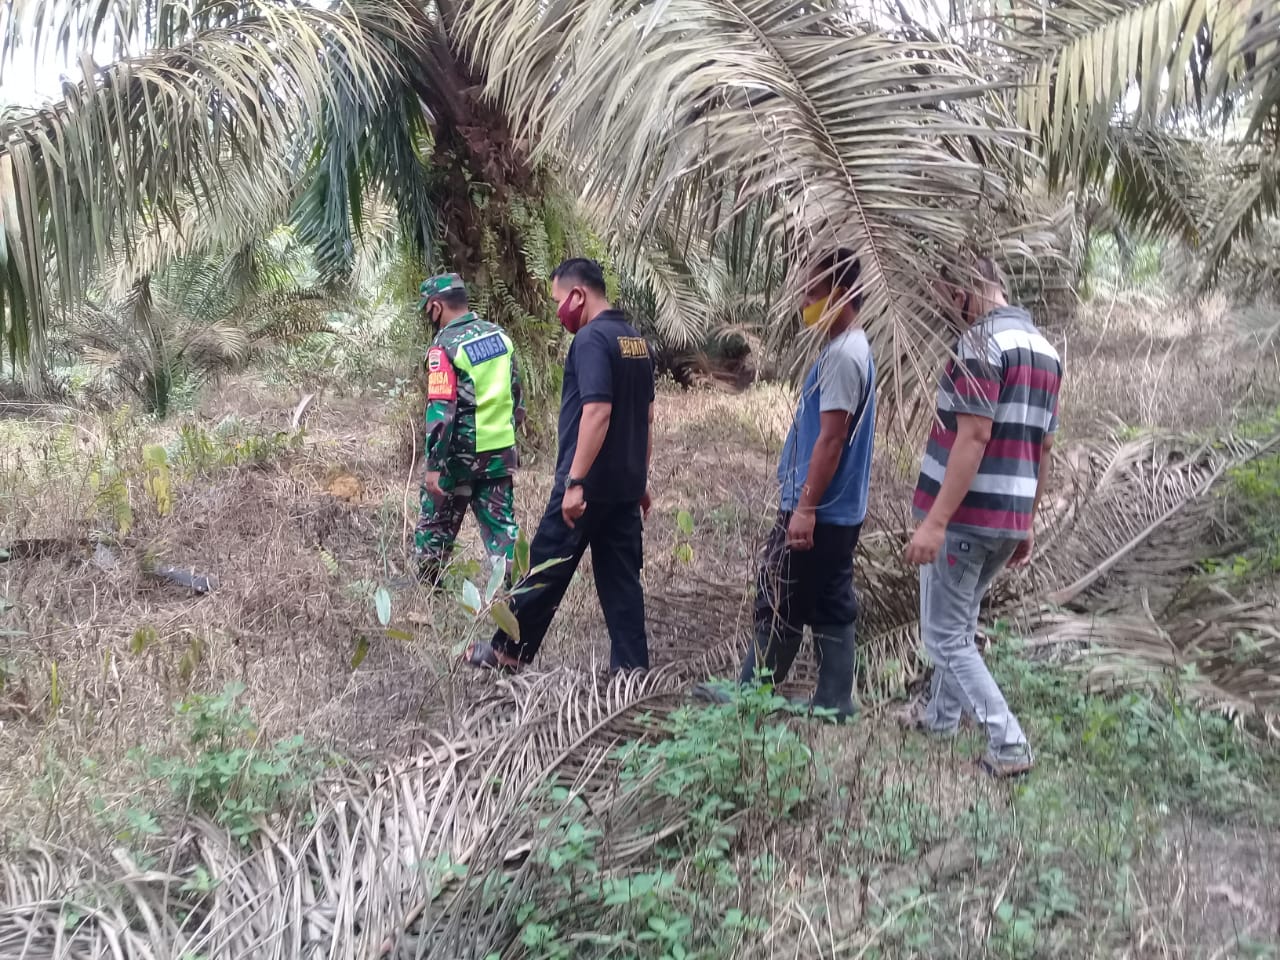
{"x": 951, "y": 592}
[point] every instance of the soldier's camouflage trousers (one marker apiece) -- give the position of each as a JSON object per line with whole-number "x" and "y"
{"x": 492, "y": 500}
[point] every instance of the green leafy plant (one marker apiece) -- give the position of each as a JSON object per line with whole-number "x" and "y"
{"x": 160, "y": 334}
{"x": 1253, "y": 500}
{"x": 382, "y": 605}
{"x": 1147, "y": 744}
{"x": 156, "y": 478}
{"x": 683, "y": 550}
{"x": 713, "y": 764}
{"x": 494, "y": 602}
{"x": 111, "y": 495}
{"x": 231, "y": 443}
{"x": 230, "y": 774}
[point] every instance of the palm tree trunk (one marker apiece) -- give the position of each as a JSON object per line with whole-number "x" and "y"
{"x": 484, "y": 168}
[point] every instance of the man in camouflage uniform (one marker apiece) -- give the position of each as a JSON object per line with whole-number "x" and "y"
{"x": 474, "y": 404}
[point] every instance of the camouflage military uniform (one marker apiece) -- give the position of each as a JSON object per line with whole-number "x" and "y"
{"x": 474, "y": 402}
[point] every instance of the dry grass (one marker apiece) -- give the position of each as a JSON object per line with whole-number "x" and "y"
{"x": 1161, "y": 366}
{"x": 281, "y": 621}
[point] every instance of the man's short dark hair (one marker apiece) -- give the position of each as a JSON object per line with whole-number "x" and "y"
{"x": 989, "y": 270}
{"x": 453, "y": 299}
{"x": 844, "y": 270}
{"x": 973, "y": 268}
{"x": 581, "y": 272}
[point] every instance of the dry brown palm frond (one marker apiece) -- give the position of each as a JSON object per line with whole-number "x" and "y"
{"x": 1219, "y": 650}
{"x": 1146, "y": 501}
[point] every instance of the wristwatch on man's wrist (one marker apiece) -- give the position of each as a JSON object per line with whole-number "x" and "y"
{"x": 573, "y": 482}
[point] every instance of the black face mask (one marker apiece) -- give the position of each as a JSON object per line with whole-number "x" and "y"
{"x": 433, "y": 318}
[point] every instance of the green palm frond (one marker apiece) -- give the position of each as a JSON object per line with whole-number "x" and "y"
{"x": 1261, "y": 50}
{"x": 107, "y": 164}
{"x": 674, "y": 289}
{"x": 848, "y": 135}
{"x": 1078, "y": 62}
{"x": 249, "y": 207}
{"x": 1255, "y": 195}
{"x": 368, "y": 147}
{"x": 1156, "y": 182}
{"x": 56, "y": 32}
{"x": 196, "y": 317}
{"x": 285, "y": 315}
{"x": 1103, "y": 84}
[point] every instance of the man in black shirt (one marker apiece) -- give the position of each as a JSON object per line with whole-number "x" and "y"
{"x": 600, "y": 496}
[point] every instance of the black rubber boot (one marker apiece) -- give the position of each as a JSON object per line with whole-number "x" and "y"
{"x": 780, "y": 654}
{"x": 780, "y": 651}
{"x": 836, "y": 648}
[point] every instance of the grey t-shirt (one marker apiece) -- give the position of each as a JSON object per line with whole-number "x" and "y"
{"x": 842, "y": 371}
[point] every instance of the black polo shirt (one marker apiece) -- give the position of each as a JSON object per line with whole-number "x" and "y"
{"x": 608, "y": 362}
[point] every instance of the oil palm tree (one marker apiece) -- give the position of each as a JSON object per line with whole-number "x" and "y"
{"x": 894, "y": 149}
{"x": 1127, "y": 92}
{"x": 195, "y": 318}
{"x": 219, "y": 119}
{"x": 904, "y": 140}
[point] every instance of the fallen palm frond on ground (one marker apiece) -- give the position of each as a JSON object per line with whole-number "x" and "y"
{"x": 1140, "y": 517}
{"x": 1219, "y": 649}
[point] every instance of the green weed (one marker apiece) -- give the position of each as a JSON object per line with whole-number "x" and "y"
{"x": 230, "y": 774}
{"x": 231, "y": 443}
{"x": 1154, "y": 746}
{"x": 715, "y": 764}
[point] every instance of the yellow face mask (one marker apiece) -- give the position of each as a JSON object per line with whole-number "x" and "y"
{"x": 814, "y": 311}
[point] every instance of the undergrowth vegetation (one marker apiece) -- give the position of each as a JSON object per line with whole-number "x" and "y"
{"x": 228, "y": 772}
{"x": 735, "y": 770}
{"x": 883, "y": 847}
{"x": 1254, "y": 498}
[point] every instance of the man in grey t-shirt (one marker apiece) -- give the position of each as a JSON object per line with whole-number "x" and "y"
{"x": 806, "y": 573}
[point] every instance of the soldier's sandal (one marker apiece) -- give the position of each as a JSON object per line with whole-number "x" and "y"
{"x": 482, "y": 656}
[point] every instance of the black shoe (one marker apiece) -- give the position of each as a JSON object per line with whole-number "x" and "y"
{"x": 779, "y": 653}
{"x": 713, "y": 691}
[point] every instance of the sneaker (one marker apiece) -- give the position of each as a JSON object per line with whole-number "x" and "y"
{"x": 1016, "y": 763}
{"x": 914, "y": 719}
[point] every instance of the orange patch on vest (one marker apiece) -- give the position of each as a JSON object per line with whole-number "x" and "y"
{"x": 442, "y": 382}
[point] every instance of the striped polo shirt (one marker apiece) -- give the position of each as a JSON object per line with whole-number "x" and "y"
{"x": 1006, "y": 371}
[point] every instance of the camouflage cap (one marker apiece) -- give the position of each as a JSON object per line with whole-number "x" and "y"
{"x": 438, "y": 284}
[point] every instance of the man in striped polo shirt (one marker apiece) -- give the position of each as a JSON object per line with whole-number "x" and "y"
{"x": 980, "y": 483}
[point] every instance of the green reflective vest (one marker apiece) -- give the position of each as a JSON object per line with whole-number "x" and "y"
{"x": 482, "y": 355}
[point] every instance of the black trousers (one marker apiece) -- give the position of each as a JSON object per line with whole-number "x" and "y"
{"x": 795, "y": 588}
{"x": 615, "y": 534}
